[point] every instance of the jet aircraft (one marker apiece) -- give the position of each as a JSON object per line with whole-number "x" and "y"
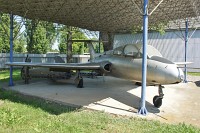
{"x": 123, "y": 62}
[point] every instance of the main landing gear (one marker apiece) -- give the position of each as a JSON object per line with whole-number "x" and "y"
{"x": 25, "y": 71}
{"x": 79, "y": 80}
{"x": 157, "y": 100}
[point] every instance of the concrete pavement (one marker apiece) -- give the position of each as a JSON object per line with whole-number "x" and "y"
{"x": 122, "y": 97}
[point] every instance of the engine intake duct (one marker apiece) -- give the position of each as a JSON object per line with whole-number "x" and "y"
{"x": 106, "y": 67}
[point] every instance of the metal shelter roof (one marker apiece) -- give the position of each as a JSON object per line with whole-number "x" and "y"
{"x": 101, "y": 15}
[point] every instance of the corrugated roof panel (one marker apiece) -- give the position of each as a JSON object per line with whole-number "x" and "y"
{"x": 101, "y": 15}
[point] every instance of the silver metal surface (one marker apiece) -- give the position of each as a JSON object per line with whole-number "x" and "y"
{"x": 129, "y": 66}
{"x": 126, "y": 63}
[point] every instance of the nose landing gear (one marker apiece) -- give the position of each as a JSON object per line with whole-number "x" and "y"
{"x": 157, "y": 100}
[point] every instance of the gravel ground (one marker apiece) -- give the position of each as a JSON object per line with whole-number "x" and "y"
{"x": 193, "y": 78}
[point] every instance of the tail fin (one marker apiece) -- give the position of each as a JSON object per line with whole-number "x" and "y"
{"x": 58, "y": 59}
{"x": 27, "y": 59}
{"x": 92, "y": 52}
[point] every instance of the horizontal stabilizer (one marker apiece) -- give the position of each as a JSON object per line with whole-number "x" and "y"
{"x": 183, "y": 63}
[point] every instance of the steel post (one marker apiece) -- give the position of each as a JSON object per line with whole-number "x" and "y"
{"x": 99, "y": 44}
{"x": 69, "y": 46}
{"x": 11, "y": 49}
{"x": 142, "y": 110}
{"x": 186, "y": 45}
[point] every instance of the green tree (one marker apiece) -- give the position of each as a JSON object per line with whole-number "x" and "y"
{"x": 51, "y": 32}
{"x": 18, "y": 42}
{"x": 62, "y": 39}
{"x": 77, "y": 34}
{"x": 40, "y": 35}
{"x": 19, "y": 45}
{"x": 30, "y": 28}
{"x": 41, "y": 45}
{"x": 96, "y": 47}
{"x": 79, "y": 47}
{"x": 4, "y": 33}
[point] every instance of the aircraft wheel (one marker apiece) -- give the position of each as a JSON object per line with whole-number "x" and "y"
{"x": 138, "y": 83}
{"x": 157, "y": 101}
{"x": 80, "y": 83}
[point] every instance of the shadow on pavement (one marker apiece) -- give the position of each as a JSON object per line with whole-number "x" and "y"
{"x": 197, "y": 83}
{"x": 65, "y": 97}
{"x": 95, "y": 90}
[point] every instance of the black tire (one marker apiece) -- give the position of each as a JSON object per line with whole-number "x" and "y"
{"x": 80, "y": 84}
{"x": 157, "y": 101}
{"x": 138, "y": 83}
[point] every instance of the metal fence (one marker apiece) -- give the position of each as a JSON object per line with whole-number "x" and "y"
{"x": 42, "y": 58}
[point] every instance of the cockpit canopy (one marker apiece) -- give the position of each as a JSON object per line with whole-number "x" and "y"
{"x": 135, "y": 50}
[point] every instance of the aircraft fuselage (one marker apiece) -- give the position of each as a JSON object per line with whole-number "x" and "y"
{"x": 130, "y": 68}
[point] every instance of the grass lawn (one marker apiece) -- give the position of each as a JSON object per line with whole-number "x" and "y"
{"x": 194, "y": 73}
{"x": 20, "y": 113}
{"x": 4, "y": 75}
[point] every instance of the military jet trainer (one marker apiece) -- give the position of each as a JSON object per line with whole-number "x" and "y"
{"x": 123, "y": 62}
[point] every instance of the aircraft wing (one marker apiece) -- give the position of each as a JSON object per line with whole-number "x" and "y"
{"x": 70, "y": 66}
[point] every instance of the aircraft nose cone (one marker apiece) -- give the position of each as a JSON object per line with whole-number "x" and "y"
{"x": 174, "y": 75}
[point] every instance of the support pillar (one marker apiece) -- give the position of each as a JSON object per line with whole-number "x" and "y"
{"x": 99, "y": 50}
{"x": 11, "y": 49}
{"x": 142, "y": 110}
{"x": 69, "y": 46}
{"x": 186, "y": 46}
{"x": 107, "y": 39}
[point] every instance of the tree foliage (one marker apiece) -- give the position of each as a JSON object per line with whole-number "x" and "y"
{"x": 62, "y": 39}
{"x": 40, "y": 36}
{"x": 96, "y": 48}
{"x": 77, "y": 34}
{"x": 79, "y": 47}
{"x": 18, "y": 42}
{"x": 4, "y": 33}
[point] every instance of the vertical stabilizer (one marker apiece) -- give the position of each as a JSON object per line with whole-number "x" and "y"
{"x": 92, "y": 52}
